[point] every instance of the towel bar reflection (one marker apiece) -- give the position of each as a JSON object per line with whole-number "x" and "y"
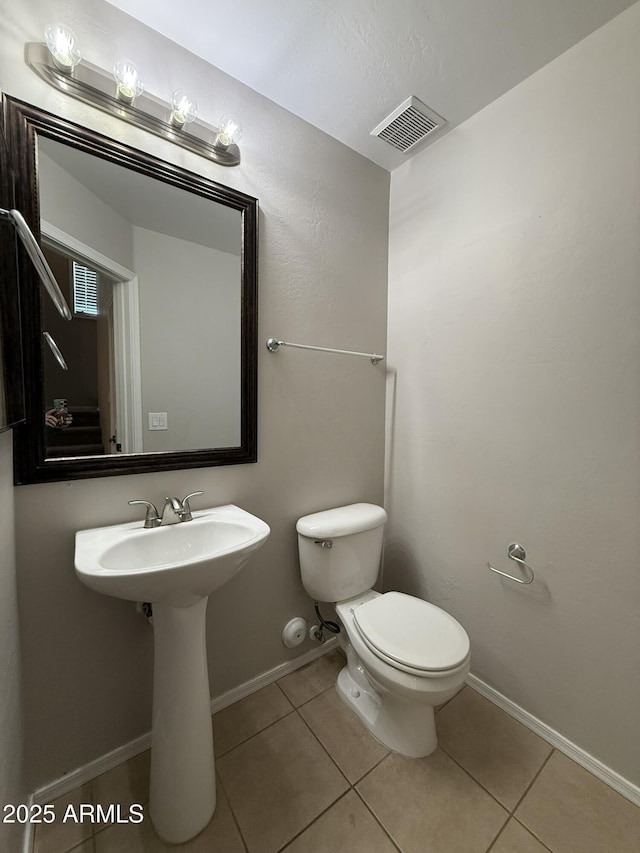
{"x": 273, "y": 344}
{"x": 38, "y": 260}
{"x": 518, "y": 554}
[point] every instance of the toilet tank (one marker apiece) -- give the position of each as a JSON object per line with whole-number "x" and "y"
{"x": 340, "y": 550}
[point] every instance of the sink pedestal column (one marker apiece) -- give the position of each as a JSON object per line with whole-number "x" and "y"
{"x": 182, "y": 791}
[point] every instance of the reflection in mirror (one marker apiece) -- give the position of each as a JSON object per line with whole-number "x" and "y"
{"x": 173, "y": 382}
{"x": 158, "y": 266}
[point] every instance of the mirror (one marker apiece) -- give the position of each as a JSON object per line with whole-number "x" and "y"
{"x": 159, "y": 267}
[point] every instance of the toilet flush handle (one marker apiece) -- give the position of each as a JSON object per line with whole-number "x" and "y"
{"x": 323, "y": 543}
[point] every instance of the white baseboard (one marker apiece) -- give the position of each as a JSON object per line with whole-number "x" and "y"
{"x": 560, "y": 742}
{"x": 71, "y": 780}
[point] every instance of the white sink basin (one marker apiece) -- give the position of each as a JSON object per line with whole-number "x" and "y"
{"x": 177, "y": 564}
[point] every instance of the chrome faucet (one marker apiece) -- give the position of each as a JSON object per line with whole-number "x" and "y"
{"x": 173, "y": 512}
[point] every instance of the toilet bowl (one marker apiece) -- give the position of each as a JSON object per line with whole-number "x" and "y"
{"x": 398, "y": 704}
{"x": 405, "y": 656}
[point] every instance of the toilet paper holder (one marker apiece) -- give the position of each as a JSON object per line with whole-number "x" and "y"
{"x": 518, "y": 554}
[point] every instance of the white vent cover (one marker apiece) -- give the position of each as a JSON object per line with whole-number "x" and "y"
{"x": 408, "y": 125}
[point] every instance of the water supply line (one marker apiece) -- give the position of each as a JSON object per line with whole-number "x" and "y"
{"x": 318, "y": 631}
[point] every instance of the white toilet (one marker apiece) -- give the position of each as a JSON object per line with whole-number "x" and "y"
{"x": 404, "y": 655}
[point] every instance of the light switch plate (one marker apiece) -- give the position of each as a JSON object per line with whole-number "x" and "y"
{"x": 158, "y": 420}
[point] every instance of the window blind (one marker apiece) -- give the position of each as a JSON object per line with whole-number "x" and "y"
{"x": 85, "y": 290}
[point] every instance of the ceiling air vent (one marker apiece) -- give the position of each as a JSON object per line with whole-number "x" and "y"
{"x": 408, "y": 125}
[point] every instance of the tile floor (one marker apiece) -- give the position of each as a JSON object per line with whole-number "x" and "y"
{"x": 298, "y": 773}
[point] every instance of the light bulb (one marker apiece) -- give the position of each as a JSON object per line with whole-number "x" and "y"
{"x": 184, "y": 109}
{"x": 63, "y": 47}
{"x": 128, "y": 81}
{"x": 230, "y": 130}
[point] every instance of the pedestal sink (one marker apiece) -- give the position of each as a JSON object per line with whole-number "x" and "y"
{"x": 175, "y": 567}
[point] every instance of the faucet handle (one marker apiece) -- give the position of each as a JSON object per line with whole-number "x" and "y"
{"x": 185, "y": 504}
{"x": 152, "y": 519}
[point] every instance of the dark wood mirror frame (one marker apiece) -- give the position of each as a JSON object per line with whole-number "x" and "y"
{"x": 22, "y": 125}
{"x": 11, "y": 375}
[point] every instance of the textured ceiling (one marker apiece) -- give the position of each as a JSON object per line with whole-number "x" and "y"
{"x": 344, "y": 65}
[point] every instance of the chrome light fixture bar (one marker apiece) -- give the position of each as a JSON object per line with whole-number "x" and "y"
{"x": 96, "y": 87}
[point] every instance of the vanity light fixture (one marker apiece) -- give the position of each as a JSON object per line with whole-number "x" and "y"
{"x": 60, "y": 64}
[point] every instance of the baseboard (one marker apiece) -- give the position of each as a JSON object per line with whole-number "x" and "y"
{"x": 560, "y": 742}
{"x": 52, "y": 790}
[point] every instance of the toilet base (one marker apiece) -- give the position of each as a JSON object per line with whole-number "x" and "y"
{"x": 404, "y": 727}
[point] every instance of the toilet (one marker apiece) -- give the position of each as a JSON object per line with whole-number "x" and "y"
{"x": 404, "y": 655}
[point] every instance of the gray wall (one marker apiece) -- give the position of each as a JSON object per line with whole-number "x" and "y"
{"x": 323, "y": 269}
{"x": 193, "y": 376}
{"x": 12, "y": 785}
{"x": 514, "y": 328}
{"x": 70, "y": 206}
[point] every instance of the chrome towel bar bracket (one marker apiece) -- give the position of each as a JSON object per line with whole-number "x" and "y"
{"x": 518, "y": 554}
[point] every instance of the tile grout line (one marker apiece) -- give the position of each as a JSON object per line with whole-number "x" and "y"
{"x": 532, "y": 833}
{"x": 373, "y": 814}
{"x": 473, "y": 779}
{"x": 512, "y": 813}
{"x": 277, "y": 684}
{"x": 315, "y": 820}
{"x": 325, "y": 750}
{"x": 233, "y": 814}
{"x": 533, "y": 781}
{"x": 218, "y": 755}
{"x": 444, "y": 704}
{"x": 371, "y": 769}
{"x": 313, "y": 698}
{"x": 500, "y": 831}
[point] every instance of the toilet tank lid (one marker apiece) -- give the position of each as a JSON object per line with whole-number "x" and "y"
{"x": 341, "y": 521}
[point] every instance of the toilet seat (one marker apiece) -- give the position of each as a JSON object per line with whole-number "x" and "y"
{"x": 410, "y": 634}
